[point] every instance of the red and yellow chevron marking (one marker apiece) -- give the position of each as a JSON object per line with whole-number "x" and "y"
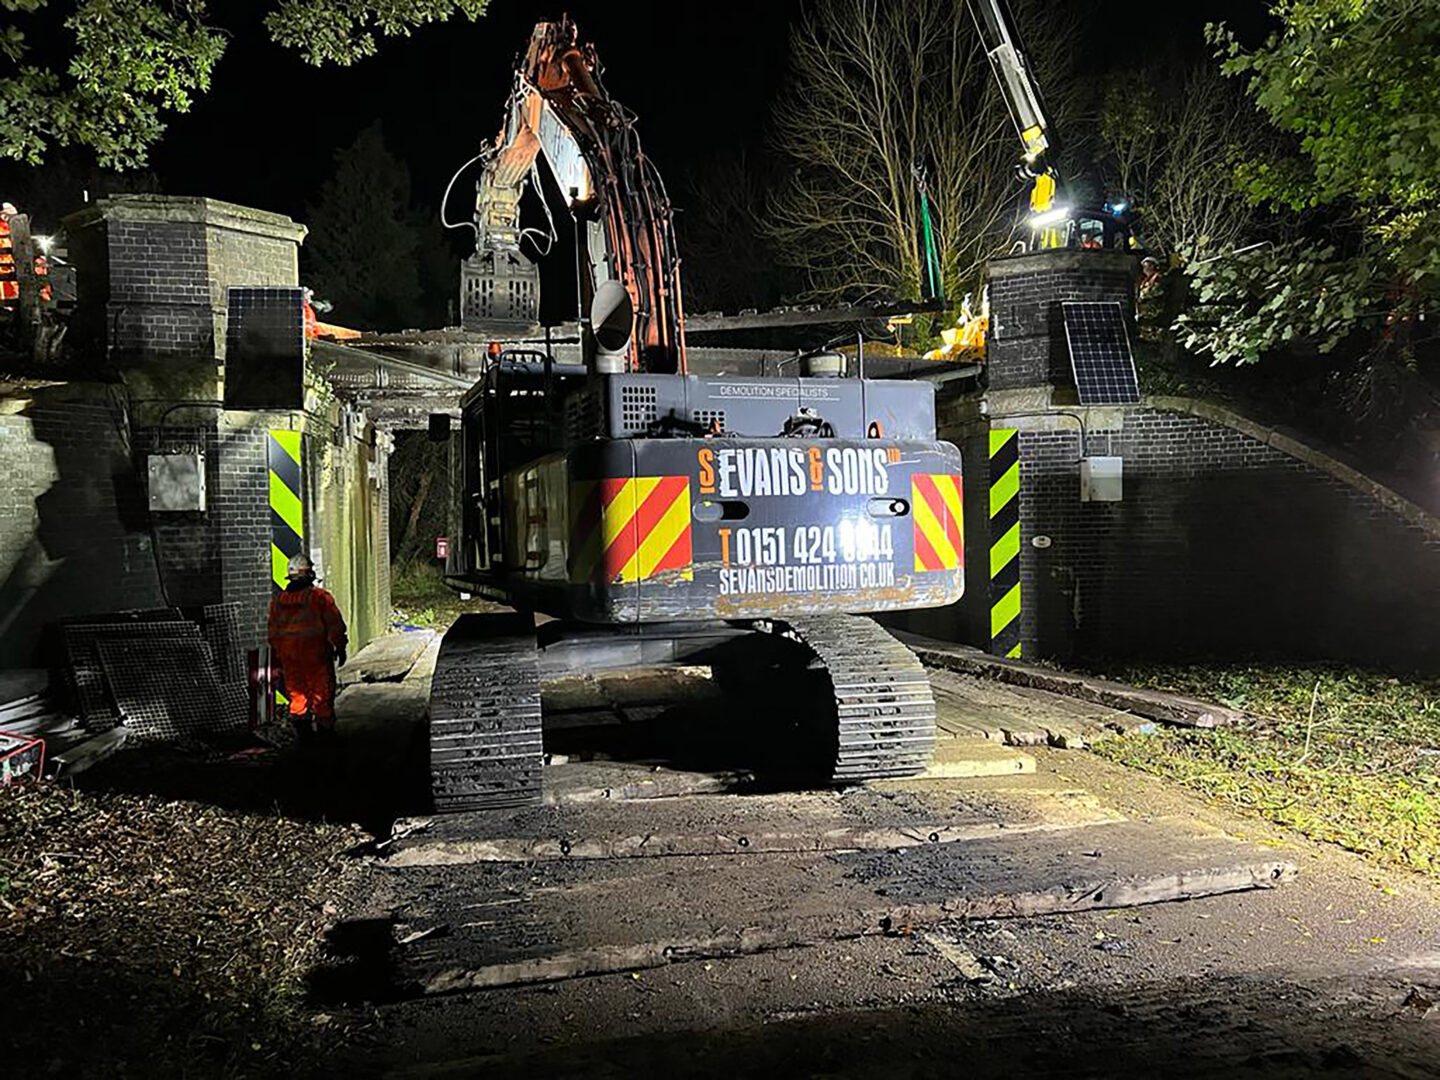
{"x": 627, "y": 530}
{"x": 937, "y": 506}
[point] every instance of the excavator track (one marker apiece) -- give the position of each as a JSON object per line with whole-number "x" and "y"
{"x": 884, "y": 710}
{"x": 485, "y": 728}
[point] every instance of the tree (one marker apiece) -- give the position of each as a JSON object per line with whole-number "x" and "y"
{"x": 126, "y": 64}
{"x": 362, "y": 251}
{"x": 728, "y": 260}
{"x": 1354, "y": 88}
{"x": 419, "y": 496}
{"x": 1171, "y": 139}
{"x": 877, "y": 88}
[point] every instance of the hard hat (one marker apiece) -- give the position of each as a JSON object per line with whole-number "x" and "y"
{"x": 300, "y": 566}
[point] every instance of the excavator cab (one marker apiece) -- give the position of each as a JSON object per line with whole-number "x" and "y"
{"x": 1098, "y": 230}
{"x": 509, "y": 420}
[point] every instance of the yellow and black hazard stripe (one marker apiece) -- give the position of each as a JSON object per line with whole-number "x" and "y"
{"x": 630, "y": 529}
{"x": 287, "y": 509}
{"x": 1005, "y": 542}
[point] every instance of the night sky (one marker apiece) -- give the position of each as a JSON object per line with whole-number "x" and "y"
{"x": 700, "y": 85}
{"x": 701, "y": 78}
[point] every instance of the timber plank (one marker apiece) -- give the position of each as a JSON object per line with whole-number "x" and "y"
{"x": 563, "y": 918}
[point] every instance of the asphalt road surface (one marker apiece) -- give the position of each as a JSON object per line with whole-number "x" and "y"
{"x": 649, "y": 943}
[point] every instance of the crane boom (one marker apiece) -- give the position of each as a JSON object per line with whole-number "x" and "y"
{"x": 1001, "y": 42}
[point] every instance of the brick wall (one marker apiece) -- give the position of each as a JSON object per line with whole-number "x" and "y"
{"x": 187, "y": 543}
{"x": 240, "y": 507}
{"x": 1222, "y": 546}
{"x": 74, "y": 537}
{"x": 1026, "y": 345}
{"x": 1230, "y": 541}
{"x": 158, "y": 268}
{"x": 75, "y": 531}
{"x": 159, "y": 300}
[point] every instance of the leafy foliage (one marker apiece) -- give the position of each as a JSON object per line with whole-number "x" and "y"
{"x": 132, "y": 62}
{"x": 1354, "y": 85}
{"x": 1284, "y": 296}
{"x": 129, "y": 63}
{"x": 344, "y": 31}
{"x": 1358, "y": 83}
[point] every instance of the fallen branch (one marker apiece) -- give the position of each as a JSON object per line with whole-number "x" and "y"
{"x": 895, "y": 921}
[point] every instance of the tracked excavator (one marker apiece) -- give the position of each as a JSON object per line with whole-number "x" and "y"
{"x": 657, "y": 516}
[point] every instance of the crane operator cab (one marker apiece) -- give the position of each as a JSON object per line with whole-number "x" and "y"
{"x": 1105, "y": 229}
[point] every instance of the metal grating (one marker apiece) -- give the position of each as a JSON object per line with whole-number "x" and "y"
{"x": 706, "y": 417}
{"x": 1100, "y": 354}
{"x": 582, "y": 416}
{"x": 87, "y": 676}
{"x": 155, "y": 701}
{"x": 234, "y": 706}
{"x": 265, "y": 348}
{"x": 638, "y": 408}
{"x": 220, "y": 623}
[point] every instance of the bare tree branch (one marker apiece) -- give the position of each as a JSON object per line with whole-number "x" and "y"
{"x": 877, "y": 87}
{"x": 1172, "y": 139}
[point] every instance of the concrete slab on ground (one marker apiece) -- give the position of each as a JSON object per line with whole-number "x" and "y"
{"x": 389, "y": 657}
{"x": 958, "y": 758}
{"x": 1152, "y": 704}
{"x": 483, "y": 924}
{"x": 842, "y": 925}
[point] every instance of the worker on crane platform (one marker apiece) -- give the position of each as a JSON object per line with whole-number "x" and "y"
{"x": 307, "y": 637}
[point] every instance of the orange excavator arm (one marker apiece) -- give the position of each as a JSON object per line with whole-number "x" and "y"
{"x": 561, "y": 112}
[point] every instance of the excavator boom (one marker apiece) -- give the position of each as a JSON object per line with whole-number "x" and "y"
{"x": 561, "y": 112}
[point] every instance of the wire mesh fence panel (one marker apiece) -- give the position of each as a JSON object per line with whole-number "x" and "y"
{"x": 220, "y": 623}
{"x": 164, "y": 687}
{"x": 93, "y": 701}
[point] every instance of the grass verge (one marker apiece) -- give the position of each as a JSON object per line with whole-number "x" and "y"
{"x": 421, "y": 597}
{"x": 1340, "y": 754}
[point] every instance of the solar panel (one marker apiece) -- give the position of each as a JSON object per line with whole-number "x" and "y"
{"x": 1100, "y": 353}
{"x": 265, "y": 348}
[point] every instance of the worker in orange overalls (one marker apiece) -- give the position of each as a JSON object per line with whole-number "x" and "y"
{"x": 9, "y": 280}
{"x": 307, "y": 637}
